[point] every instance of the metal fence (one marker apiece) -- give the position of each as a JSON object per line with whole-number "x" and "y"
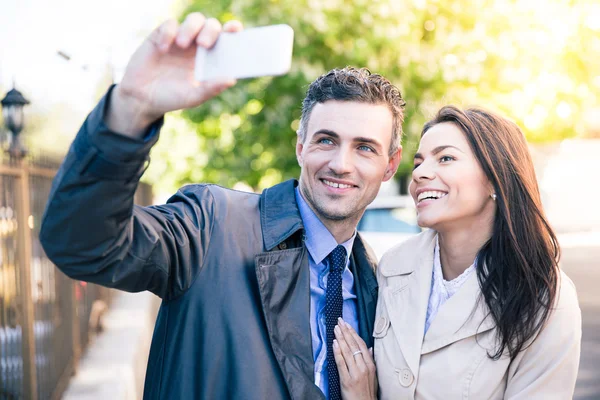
{"x": 46, "y": 319}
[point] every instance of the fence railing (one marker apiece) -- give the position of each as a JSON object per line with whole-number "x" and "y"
{"x": 46, "y": 319}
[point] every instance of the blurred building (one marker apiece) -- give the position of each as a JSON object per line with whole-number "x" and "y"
{"x": 568, "y": 174}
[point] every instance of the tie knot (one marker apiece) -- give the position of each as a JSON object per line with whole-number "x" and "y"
{"x": 337, "y": 258}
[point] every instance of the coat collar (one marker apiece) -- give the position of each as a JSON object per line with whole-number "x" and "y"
{"x": 465, "y": 314}
{"x": 407, "y": 296}
{"x": 279, "y": 214}
{"x": 284, "y": 288}
{"x": 280, "y": 218}
{"x": 406, "y": 293}
{"x": 362, "y": 264}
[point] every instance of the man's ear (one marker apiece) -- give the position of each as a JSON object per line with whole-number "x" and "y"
{"x": 392, "y": 166}
{"x": 299, "y": 148}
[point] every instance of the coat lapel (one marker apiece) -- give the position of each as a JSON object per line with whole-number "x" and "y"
{"x": 362, "y": 265}
{"x": 279, "y": 214}
{"x": 465, "y": 314}
{"x": 406, "y": 296}
{"x": 284, "y": 286}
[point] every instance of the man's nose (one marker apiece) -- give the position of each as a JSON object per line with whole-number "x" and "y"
{"x": 342, "y": 162}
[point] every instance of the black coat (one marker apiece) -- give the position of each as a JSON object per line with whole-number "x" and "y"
{"x": 231, "y": 268}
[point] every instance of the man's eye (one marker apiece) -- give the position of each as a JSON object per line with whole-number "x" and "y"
{"x": 366, "y": 148}
{"x": 326, "y": 141}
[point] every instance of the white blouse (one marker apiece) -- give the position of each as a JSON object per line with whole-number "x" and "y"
{"x": 441, "y": 289}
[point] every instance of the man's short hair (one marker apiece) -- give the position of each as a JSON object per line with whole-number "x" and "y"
{"x": 352, "y": 84}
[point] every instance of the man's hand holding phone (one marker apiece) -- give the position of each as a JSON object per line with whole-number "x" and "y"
{"x": 160, "y": 75}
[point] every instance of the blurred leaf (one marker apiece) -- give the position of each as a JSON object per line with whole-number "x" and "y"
{"x": 538, "y": 66}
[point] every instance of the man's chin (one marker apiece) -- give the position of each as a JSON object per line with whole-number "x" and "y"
{"x": 336, "y": 217}
{"x": 333, "y": 209}
{"x": 334, "y": 213}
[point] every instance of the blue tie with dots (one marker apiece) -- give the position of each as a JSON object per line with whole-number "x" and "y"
{"x": 334, "y": 302}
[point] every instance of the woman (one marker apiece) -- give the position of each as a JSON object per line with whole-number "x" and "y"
{"x": 475, "y": 307}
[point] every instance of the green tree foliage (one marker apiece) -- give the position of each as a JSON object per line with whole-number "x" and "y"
{"x": 539, "y": 66}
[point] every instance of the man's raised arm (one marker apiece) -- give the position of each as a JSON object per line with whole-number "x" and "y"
{"x": 91, "y": 230}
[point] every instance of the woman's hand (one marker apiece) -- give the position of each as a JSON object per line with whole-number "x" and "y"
{"x": 355, "y": 364}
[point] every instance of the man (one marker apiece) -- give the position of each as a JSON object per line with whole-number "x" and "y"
{"x": 252, "y": 285}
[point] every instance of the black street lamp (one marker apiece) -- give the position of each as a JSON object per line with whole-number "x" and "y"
{"x": 12, "y": 110}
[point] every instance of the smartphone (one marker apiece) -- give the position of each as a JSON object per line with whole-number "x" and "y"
{"x": 250, "y": 53}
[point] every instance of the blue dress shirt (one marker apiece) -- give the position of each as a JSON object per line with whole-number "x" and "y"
{"x": 320, "y": 242}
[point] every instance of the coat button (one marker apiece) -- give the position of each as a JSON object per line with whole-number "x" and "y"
{"x": 380, "y": 325}
{"x": 405, "y": 377}
{"x": 283, "y": 246}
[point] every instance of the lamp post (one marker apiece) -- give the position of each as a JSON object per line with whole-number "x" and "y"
{"x": 12, "y": 110}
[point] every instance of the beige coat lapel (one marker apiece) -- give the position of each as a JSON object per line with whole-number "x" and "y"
{"x": 457, "y": 319}
{"x": 406, "y": 294}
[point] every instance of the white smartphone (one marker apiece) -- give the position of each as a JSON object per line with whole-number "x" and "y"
{"x": 253, "y": 52}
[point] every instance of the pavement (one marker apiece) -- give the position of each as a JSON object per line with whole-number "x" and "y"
{"x": 114, "y": 364}
{"x": 581, "y": 262}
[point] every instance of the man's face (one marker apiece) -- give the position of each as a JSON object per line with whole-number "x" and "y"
{"x": 345, "y": 157}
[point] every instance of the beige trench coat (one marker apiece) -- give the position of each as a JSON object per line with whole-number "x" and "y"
{"x": 451, "y": 361}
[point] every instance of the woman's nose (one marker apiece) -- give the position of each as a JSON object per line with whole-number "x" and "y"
{"x": 423, "y": 172}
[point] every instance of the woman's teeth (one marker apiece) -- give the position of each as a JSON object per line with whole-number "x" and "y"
{"x": 433, "y": 194}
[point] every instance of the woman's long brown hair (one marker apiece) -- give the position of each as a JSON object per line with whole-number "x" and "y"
{"x": 517, "y": 268}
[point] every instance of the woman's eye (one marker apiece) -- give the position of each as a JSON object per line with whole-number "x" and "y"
{"x": 446, "y": 159}
{"x": 416, "y": 166}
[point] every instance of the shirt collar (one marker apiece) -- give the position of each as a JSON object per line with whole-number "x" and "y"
{"x": 319, "y": 241}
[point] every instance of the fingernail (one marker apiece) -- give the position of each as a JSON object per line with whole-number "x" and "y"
{"x": 347, "y": 325}
{"x": 340, "y": 320}
{"x": 335, "y": 343}
{"x": 337, "y": 329}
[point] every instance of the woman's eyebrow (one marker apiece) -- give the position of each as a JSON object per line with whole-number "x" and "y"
{"x": 437, "y": 150}
{"x": 444, "y": 147}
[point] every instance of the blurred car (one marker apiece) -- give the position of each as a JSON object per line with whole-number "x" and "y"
{"x": 387, "y": 221}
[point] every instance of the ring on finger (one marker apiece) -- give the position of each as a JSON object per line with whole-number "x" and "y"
{"x": 356, "y": 353}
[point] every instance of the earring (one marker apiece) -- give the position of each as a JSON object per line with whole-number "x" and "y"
{"x": 494, "y": 196}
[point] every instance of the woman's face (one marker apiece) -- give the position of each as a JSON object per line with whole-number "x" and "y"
{"x": 449, "y": 187}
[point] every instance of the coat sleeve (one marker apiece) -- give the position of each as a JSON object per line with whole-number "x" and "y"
{"x": 548, "y": 368}
{"x": 92, "y": 231}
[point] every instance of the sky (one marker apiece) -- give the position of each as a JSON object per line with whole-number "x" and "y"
{"x": 94, "y": 34}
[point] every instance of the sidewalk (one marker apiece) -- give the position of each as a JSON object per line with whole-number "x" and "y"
{"x": 114, "y": 365}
